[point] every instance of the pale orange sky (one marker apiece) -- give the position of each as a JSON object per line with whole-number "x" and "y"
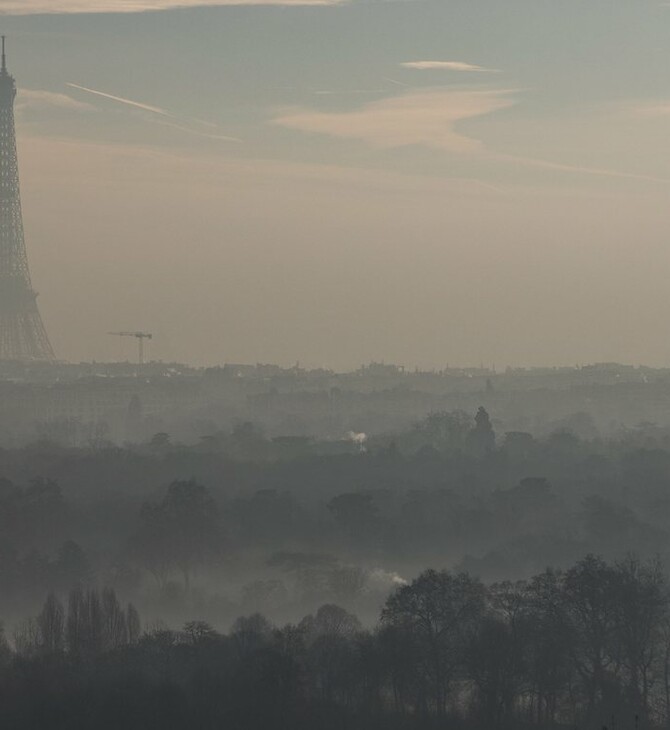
{"x": 287, "y": 191}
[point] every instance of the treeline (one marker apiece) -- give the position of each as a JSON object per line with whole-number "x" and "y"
{"x": 95, "y": 623}
{"x": 162, "y": 521}
{"x": 585, "y": 647}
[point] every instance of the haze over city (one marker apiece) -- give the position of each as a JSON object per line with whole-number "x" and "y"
{"x": 423, "y": 182}
{"x": 334, "y": 365}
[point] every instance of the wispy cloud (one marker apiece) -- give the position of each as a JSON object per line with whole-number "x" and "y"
{"x": 169, "y": 119}
{"x": 350, "y": 92}
{"x": 39, "y": 99}
{"x": 448, "y": 66}
{"x": 580, "y": 169}
{"x": 652, "y": 110}
{"x": 427, "y": 118}
{"x": 430, "y": 119}
{"x": 395, "y": 82}
{"x": 200, "y": 132}
{"x": 39, "y": 7}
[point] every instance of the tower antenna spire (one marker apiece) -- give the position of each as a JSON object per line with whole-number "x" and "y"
{"x": 4, "y": 58}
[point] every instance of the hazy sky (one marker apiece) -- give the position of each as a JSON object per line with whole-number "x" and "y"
{"x": 418, "y": 181}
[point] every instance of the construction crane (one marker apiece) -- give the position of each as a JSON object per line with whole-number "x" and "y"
{"x": 140, "y": 337}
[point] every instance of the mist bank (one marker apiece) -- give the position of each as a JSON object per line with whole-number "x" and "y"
{"x": 244, "y": 523}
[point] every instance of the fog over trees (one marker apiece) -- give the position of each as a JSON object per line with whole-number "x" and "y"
{"x": 444, "y": 574}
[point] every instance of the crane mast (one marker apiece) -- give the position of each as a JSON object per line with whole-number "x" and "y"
{"x": 140, "y": 337}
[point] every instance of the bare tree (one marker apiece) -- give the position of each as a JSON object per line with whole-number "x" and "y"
{"x": 133, "y": 623}
{"x": 441, "y": 611}
{"x": 114, "y": 621}
{"x": 51, "y": 622}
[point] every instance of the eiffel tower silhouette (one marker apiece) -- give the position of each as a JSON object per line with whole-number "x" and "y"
{"x": 22, "y": 333}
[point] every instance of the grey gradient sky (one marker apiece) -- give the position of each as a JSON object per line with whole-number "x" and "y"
{"x": 418, "y": 181}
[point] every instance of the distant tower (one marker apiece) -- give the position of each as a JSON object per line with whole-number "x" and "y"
{"x": 22, "y": 333}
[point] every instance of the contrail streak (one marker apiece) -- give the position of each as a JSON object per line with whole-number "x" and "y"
{"x": 121, "y": 100}
{"x": 162, "y": 113}
{"x": 197, "y": 132}
{"x": 562, "y": 167}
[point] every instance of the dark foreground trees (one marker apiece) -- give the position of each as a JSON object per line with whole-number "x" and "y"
{"x": 584, "y": 648}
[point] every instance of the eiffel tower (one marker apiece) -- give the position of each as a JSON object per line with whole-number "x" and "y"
{"x": 22, "y": 333}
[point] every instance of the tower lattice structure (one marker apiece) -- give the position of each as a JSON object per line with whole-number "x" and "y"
{"x": 22, "y": 333}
